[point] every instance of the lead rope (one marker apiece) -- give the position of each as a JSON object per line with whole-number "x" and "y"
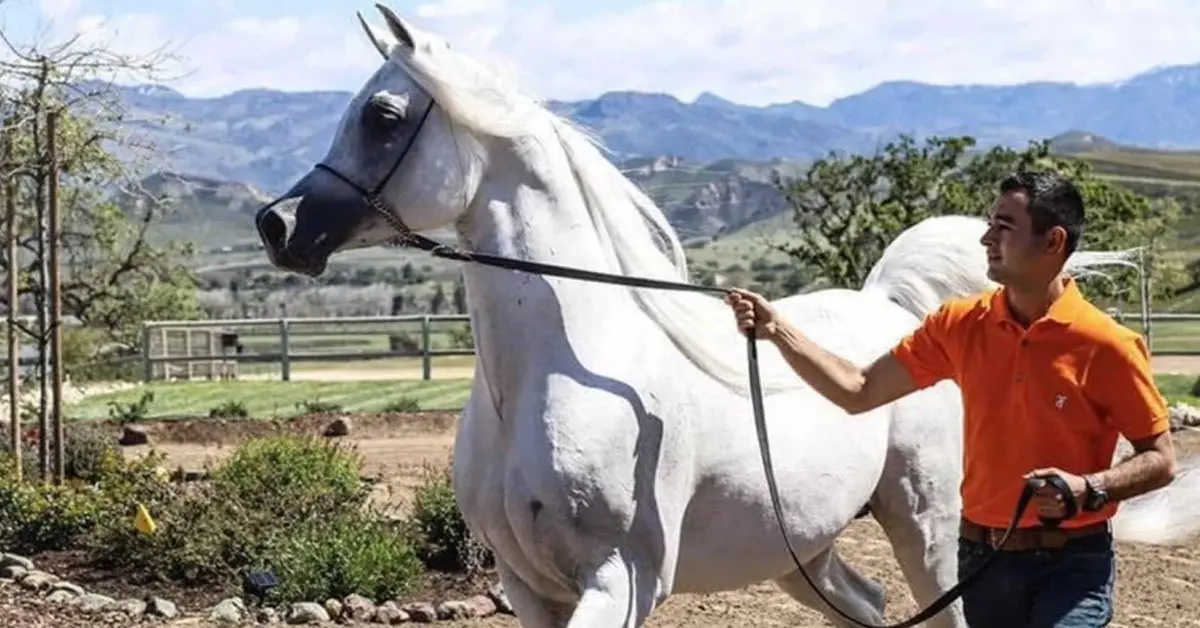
{"x": 407, "y": 237}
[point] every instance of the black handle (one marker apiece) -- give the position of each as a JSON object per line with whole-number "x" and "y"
{"x": 1068, "y": 496}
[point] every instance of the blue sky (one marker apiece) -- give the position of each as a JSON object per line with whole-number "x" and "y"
{"x": 750, "y": 51}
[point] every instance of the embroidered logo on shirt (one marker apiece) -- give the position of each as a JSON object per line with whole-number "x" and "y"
{"x": 1060, "y": 401}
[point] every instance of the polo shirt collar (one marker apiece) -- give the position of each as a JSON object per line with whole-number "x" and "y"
{"x": 1064, "y": 311}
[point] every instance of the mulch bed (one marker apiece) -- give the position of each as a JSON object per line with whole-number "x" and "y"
{"x": 227, "y": 431}
{"x": 193, "y": 600}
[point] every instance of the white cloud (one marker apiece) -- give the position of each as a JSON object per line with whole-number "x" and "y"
{"x": 752, "y": 51}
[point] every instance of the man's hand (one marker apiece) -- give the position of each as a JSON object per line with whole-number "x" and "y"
{"x": 753, "y": 312}
{"x": 1048, "y": 501}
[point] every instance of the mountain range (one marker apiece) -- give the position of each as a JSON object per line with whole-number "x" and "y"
{"x": 707, "y": 162}
{"x": 266, "y": 138}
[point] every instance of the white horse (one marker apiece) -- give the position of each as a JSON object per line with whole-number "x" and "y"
{"x": 607, "y": 453}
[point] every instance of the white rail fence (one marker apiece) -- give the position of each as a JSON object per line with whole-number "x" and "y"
{"x": 215, "y": 348}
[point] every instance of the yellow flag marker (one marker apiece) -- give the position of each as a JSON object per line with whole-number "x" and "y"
{"x": 143, "y": 522}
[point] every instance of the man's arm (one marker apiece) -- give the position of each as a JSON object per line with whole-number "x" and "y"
{"x": 1124, "y": 382}
{"x": 919, "y": 360}
{"x": 855, "y": 390}
{"x": 1152, "y": 466}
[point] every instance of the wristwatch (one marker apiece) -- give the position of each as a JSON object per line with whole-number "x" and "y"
{"x": 1096, "y": 497}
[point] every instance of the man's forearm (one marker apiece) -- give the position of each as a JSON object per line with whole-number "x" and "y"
{"x": 836, "y": 378}
{"x": 1141, "y": 473}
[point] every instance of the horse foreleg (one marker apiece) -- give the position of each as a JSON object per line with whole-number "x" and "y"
{"x": 621, "y": 593}
{"x": 532, "y": 610}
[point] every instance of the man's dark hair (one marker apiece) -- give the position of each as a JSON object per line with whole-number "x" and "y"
{"x": 1053, "y": 202}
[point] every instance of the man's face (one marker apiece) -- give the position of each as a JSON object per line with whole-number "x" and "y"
{"x": 1014, "y": 252}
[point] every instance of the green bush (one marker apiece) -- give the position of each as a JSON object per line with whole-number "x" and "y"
{"x": 232, "y": 409}
{"x": 293, "y": 504}
{"x": 85, "y": 448}
{"x": 439, "y": 532}
{"x": 292, "y": 478}
{"x": 36, "y": 517}
{"x": 343, "y": 555}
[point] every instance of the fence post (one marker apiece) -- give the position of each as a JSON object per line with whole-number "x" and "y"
{"x": 426, "y": 358}
{"x": 285, "y": 362}
{"x": 147, "y": 365}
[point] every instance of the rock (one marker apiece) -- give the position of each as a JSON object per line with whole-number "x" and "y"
{"x": 130, "y": 608}
{"x": 228, "y": 611}
{"x": 307, "y": 613}
{"x": 69, "y": 587}
{"x": 472, "y": 608}
{"x": 9, "y": 560}
{"x": 338, "y": 427}
{"x": 389, "y": 614}
{"x": 420, "y": 612}
{"x": 496, "y": 592}
{"x": 159, "y": 607}
{"x": 481, "y": 606}
{"x": 93, "y": 602}
{"x": 358, "y": 608}
{"x": 37, "y": 581}
{"x": 133, "y": 436}
{"x": 333, "y": 607}
{"x": 1184, "y": 416}
{"x": 13, "y": 572}
{"x": 453, "y": 609}
{"x": 61, "y": 597}
{"x": 266, "y": 615}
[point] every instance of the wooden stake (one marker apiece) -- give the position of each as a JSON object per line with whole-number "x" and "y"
{"x": 55, "y": 241}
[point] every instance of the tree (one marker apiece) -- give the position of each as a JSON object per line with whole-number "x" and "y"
{"x": 848, "y": 209}
{"x": 114, "y": 274}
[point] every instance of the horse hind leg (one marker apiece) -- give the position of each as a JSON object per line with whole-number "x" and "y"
{"x": 917, "y": 505}
{"x": 846, "y": 589}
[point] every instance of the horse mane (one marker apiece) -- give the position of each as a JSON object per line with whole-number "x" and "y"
{"x": 928, "y": 263}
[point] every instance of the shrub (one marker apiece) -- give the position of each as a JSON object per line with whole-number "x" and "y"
{"x": 343, "y": 555}
{"x": 403, "y": 404}
{"x": 439, "y": 532}
{"x": 232, "y": 409}
{"x": 36, "y": 517}
{"x": 294, "y": 504}
{"x": 85, "y": 448}
{"x": 292, "y": 478}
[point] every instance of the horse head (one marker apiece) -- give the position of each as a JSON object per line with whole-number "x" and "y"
{"x": 394, "y": 162}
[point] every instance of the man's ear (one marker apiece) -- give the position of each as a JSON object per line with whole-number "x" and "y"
{"x": 1056, "y": 240}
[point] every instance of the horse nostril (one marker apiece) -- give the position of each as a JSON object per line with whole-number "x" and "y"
{"x": 275, "y": 229}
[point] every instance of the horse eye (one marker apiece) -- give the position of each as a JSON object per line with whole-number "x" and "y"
{"x": 382, "y": 117}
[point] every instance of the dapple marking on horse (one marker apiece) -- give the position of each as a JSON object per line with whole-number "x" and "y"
{"x": 606, "y": 453}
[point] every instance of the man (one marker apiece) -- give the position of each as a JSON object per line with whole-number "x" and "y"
{"x": 1048, "y": 382}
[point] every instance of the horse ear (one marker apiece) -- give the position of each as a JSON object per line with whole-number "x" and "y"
{"x": 382, "y": 41}
{"x": 400, "y": 29}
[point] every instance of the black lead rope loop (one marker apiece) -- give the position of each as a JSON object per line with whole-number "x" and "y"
{"x": 407, "y": 236}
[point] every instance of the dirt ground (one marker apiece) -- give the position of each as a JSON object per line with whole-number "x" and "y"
{"x": 1156, "y": 586}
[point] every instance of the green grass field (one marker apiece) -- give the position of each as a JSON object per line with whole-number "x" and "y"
{"x": 1177, "y": 388}
{"x": 273, "y": 399}
{"x": 276, "y": 399}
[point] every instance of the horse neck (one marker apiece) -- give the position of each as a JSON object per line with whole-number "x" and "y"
{"x": 530, "y": 208}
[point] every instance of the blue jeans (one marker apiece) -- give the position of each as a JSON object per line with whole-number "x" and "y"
{"x": 1071, "y": 587}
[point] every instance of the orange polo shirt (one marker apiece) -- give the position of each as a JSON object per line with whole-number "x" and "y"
{"x": 1055, "y": 394}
